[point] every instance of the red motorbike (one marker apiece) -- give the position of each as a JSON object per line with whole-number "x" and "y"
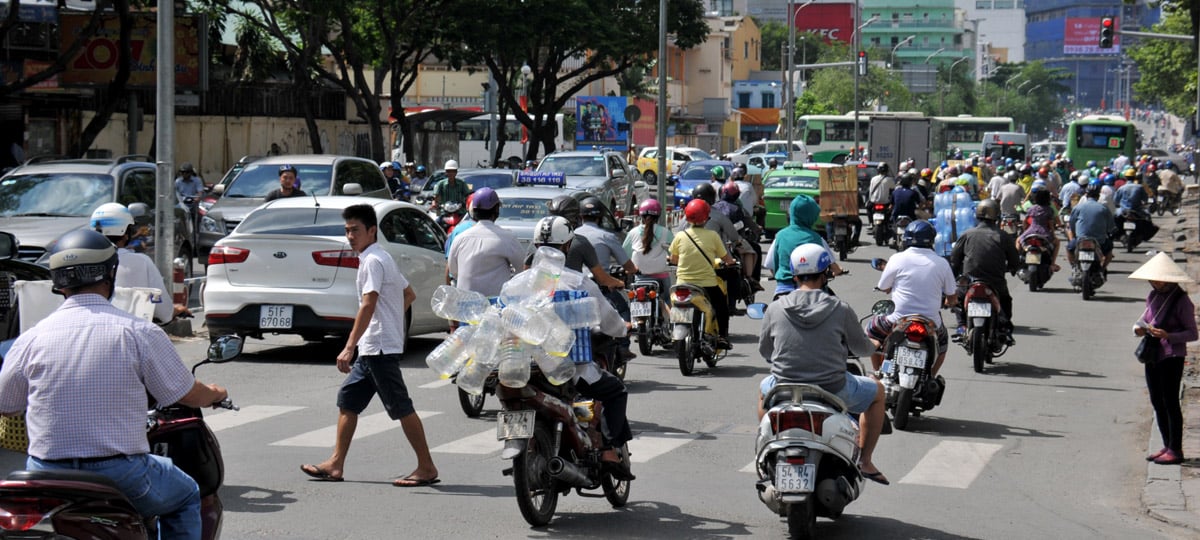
{"x": 982, "y": 339}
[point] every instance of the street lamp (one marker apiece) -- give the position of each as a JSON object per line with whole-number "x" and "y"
{"x": 935, "y": 53}
{"x": 1022, "y": 85}
{"x": 902, "y": 42}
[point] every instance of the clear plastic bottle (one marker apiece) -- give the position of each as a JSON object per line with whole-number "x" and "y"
{"x": 517, "y": 290}
{"x": 458, "y": 304}
{"x": 546, "y": 268}
{"x": 558, "y": 370}
{"x": 487, "y": 336}
{"x": 525, "y": 323}
{"x": 450, "y": 355}
{"x": 514, "y": 364}
{"x": 472, "y": 377}
{"x": 579, "y": 313}
{"x": 559, "y": 339}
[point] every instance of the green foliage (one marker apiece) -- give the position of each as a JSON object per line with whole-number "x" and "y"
{"x": 1167, "y": 69}
{"x": 809, "y": 103}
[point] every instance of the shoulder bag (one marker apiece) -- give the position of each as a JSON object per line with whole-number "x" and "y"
{"x": 1150, "y": 347}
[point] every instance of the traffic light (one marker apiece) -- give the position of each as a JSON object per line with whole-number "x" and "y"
{"x": 1108, "y": 28}
{"x": 862, "y": 63}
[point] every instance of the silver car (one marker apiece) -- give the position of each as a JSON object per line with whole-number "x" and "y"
{"x": 604, "y": 174}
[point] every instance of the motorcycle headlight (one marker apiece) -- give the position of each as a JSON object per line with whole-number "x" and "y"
{"x": 208, "y": 224}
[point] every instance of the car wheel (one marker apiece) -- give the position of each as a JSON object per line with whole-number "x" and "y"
{"x": 650, "y": 177}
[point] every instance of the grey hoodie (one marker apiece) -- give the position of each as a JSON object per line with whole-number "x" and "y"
{"x": 806, "y": 336}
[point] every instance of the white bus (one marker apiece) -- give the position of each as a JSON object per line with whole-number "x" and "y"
{"x": 473, "y": 141}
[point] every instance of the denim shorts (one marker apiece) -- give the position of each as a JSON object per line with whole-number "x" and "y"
{"x": 376, "y": 374}
{"x": 857, "y": 394}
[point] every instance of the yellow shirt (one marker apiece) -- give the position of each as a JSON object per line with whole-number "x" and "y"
{"x": 694, "y": 268}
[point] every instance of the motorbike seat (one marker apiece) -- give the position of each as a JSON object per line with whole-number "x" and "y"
{"x": 63, "y": 475}
{"x": 792, "y": 392}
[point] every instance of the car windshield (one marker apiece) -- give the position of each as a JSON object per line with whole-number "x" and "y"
{"x": 789, "y": 181}
{"x": 574, "y": 165}
{"x": 54, "y": 194}
{"x": 295, "y": 221}
{"x": 257, "y": 180}
{"x": 523, "y": 209}
{"x": 697, "y": 173}
{"x": 696, "y": 153}
{"x": 492, "y": 180}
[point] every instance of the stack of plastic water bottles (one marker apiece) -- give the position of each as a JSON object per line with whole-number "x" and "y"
{"x": 954, "y": 213}
{"x": 519, "y": 329}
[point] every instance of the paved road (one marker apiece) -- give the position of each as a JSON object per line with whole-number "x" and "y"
{"x": 1046, "y": 444}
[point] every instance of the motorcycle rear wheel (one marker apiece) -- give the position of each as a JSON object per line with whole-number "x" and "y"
{"x": 903, "y": 408}
{"x": 981, "y": 352}
{"x": 1088, "y": 290}
{"x": 1034, "y": 278}
{"x": 645, "y": 341}
{"x": 683, "y": 350}
{"x": 802, "y": 517}
{"x": 537, "y": 494}
{"x": 617, "y": 491}
{"x": 471, "y": 405}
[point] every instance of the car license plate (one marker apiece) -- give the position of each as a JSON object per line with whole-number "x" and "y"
{"x": 910, "y": 357}
{"x": 1087, "y": 256}
{"x": 1033, "y": 258}
{"x": 791, "y": 478}
{"x": 1130, "y": 225}
{"x": 639, "y": 309}
{"x": 785, "y": 206}
{"x": 514, "y": 425}
{"x": 682, "y": 315}
{"x": 877, "y": 217}
{"x": 979, "y": 309}
{"x": 275, "y": 317}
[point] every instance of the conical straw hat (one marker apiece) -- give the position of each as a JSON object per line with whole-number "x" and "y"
{"x": 1161, "y": 268}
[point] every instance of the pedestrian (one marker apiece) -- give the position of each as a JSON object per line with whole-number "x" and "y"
{"x": 1169, "y": 316}
{"x": 378, "y": 334}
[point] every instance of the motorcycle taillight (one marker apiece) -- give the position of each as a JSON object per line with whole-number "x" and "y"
{"x": 979, "y": 290}
{"x": 23, "y": 513}
{"x": 813, "y": 422}
{"x": 641, "y": 294}
{"x": 681, "y": 295}
{"x": 916, "y": 332}
{"x": 1034, "y": 242}
{"x": 879, "y": 207}
{"x": 652, "y": 294}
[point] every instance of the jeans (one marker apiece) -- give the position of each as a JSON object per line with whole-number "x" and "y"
{"x": 610, "y": 391}
{"x": 1162, "y": 380}
{"x": 154, "y": 485}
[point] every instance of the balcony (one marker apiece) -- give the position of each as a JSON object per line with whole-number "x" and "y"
{"x": 887, "y": 26}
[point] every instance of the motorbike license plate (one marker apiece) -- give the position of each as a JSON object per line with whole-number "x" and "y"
{"x": 910, "y": 357}
{"x": 1087, "y": 256}
{"x": 514, "y": 425}
{"x": 791, "y": 478}
{"x": 639, "y": 309}
{"x": 273, "y": 316}
{"x": 1033, "y": 258}
{"x": 1130, "y": 226}
{"x": 840, "y": 230}
{"x": 877, "y": 217}
{"x": 682, "y": 315}
{"x": 979, "y": 309}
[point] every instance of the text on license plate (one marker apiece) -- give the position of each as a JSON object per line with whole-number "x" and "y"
{"x": 1087, "y": 256}
{"x": 682, "y": 315}
{"x": 877, "y": 217}
{"x": 1033, "y": 258}
{"x": 910, "y": 357}
{"x": 1129, "y": 226}
{"x": 791, "y": 478}
{"x": 979, "y": 309}
{"x": 272, "y": 316}
{"x": 514, "y": 425}
{"x": 639, "y": 309}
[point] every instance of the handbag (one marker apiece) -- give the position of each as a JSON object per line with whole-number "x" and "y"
{"x": 1150, "y": 347}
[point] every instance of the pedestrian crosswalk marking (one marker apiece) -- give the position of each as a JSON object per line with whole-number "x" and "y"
{"x": 644, "y": 448}
{"x": 367, "y": 426}
{"x": 952, "y": 464}
{"x": 248, "y": 414}
{"x": 480, "y": 443}
{"x": 436, "y": 384}
{"x": 750, "y": 468}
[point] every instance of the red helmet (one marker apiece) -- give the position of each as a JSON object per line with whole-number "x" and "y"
{"x": 650, "y": 207}
{"x": 696, "y": 211}
{"x": 926, "y": 173}
{"x": 730, "y": 191}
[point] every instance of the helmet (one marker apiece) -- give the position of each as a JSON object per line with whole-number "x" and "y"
{"x": 696, "y": 211}
{"x": 396, "y": 166}
{"x": 1108, "y": 179}
{"x": 1038, "y": 185}
{"x": 591, "y": 207}
{"x": 650, "y": 207}
{"x": 111, "y": 219}
{"x": 1129, "y": 172}
{"x": 988, "y": 209}
{"x": 730, "y": 191}
{"x": 919, "y": 234}
{"x": 718, "y": 172}
{"x": 926, "y": 172}
{"x": 451, "y": 165}
{"x": 773, "y": 162}
{"x": 1008, "y": 162}
{"x": 739, "y": 171}
{"x": 1043, "y": 171}
{"x": 187, "y": 168}
{"x": 906, "y": 180}
{"x": 1091, "y": 163}
{"x": 1151, "y": 168}
{"x": 705, "y": 192}
{"x": 1093, "y": 188}
{"x": 80, "y": 258}
{"x": 883, "y": 168}
{"x": 1167, "y": 164}
{"x": 420, "y": 168}
{"x": 565, "y": 206}
{"x": 385, "y": 166}
{"x": 809, "y": 259}
{"x": 552, "y": 231}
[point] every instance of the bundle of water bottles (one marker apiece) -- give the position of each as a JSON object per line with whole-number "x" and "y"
{"x": 521, "y": 326}
{"x": 954, "y": 213}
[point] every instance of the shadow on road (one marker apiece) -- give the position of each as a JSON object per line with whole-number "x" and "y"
{"x": 469, "y": 490}
{"x": 1012, "y": 369}
{"x": 1031, "y": 331}
{"x": 638, "y": 519}
{"x": 957, "y": 427}
{"x": 849, "y": 526}
{"x": 254, "y": 500}
{"x": 645, "y": 386}
{"x": 732, "y": 370}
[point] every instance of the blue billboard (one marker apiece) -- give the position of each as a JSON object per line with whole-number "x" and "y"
{"x": 599, "y": 122}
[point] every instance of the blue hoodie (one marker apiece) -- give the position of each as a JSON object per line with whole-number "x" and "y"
{"x": 803, "y": 211}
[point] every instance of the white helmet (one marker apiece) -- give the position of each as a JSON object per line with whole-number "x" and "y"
{"x": 451, "y": 165}
{"x": 111, "y": 219}
{"x": 809, "y": 259}
{"x": 552, "y": 231}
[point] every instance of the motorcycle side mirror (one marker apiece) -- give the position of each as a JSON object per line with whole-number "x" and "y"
{"x": 878, "y": 263}
{"x": 8, "y": 246}
{"x": 883, "y": 307}
{"x": 756, "y": 311}
{"x": 224, "y": 349}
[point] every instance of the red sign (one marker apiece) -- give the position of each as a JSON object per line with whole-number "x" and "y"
{"x": 1082, "y": 36}
{"x": 96, "y": 62}
{"x": 831, "y": 21}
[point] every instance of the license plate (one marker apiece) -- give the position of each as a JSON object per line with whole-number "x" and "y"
{"x": 791, "y": 478}
{"x": 979, "y": 309}
{"x": 840, "y": 230}
{"x": 275, "y": 317}
{"x": 682, "y": 315}
{"x": 877, "y": 217}
{"x": 1087, "y": 256}
{"x": 639, "y": 309}
{"x": 1033, "y": 258}
{"x": 514, "y": 425}
{"x": 1129, "y": 225}
{"x": 785, "y": 206}
{"x": 910, "y": 357}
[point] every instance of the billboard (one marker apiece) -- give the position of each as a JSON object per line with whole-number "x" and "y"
{"x": 598, "y": 122}
{"x": 831, "y": 21}
{"x": 1082, "y": 36}
{"x": 96, "y": 62}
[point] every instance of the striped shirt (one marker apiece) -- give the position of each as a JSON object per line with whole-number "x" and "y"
{"x": 82, "y": 375}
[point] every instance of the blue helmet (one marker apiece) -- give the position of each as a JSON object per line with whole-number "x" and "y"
{"x": 420, "y": 168}
{"x": 396, "y": 166}
{"x": 1038, "y": 185}
{"x": 919, "y": 234}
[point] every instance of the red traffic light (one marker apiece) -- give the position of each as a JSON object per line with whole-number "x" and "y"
{"x": 1106, "y": 22}
{"x": 862, "y": 54}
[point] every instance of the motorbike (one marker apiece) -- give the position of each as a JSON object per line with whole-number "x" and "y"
{"x": 1089, "y": 276}
{"x": 1011, "y": 224}
{"x": 906, "y": 373}
{"x": 901, "y": 224}
{"x": 693, "y": 328}
{"x": 880, "y": 221}
{"x": 841, "y": 237}
{"x": 1167, "y": 201}
{"x": 84, "y": 504}
{"x": 1136, "y": 227}
{"x": 982, "y": 339}
{"x": 649, "y": 322}
{"x": 555, "y": 442}
{"x": 448, "y": 215}
{"x": 1038, "y": 250}
{"x": 472, "y": 404}
{"x": 806, "y": 456}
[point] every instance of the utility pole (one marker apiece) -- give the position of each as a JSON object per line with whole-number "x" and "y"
{"x": 164, "y": 133}
{"x": 789, "y": 93}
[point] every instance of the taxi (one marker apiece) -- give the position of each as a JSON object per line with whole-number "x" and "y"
{"x": 526, "y": 202}
{"x": 782, "y": 185}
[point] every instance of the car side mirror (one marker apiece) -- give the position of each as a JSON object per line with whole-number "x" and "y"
{"x": 352, "y": 189}
{"x": 139, "y": 210}
{"x": 618, "y": 173}
{"x": 8, "y": 246}
{"x": 218, "y": 189}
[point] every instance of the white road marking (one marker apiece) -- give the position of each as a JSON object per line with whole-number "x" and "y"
{"x": 645, "y": 448}
{"x": 367, "y": 426}
{"x": 751, "y": 468}
{"x": 436, "y": 384}
{"x": 480, "y": 443}
{"x": 952, "y": 464}
{"x": 248, "y": 414}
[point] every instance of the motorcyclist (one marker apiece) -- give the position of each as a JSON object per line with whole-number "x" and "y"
{"x": 608, "y": 250}
{"x": 747, "y": 246}
{"x": 803, "y": 213}
{"x": 582, "y": 253}
{"x": 1041, "y": 219}
{"x": 1171, "y": 184}
{"x": 1092, "y": 219}
{"x": 881, "y": 186}
{"x": 806, "y": 336}
{"x": 115, "y": 222}
{"x": 188, "y": 185}
{"x": 717, "y": 222}
{"x": 1009, "y": 196}
{"x": 695, "y": 251}
{"x": 395, "y": 183}
{"x": 82, "y": 376}
{"x": 984, "y": 252}
{"x": 906, "y": 200}
{"x": 647, "y": 246}
{"x": 420, "y": 176}
{"x": 451, "y": 190}
{"x": 925, "y": 183}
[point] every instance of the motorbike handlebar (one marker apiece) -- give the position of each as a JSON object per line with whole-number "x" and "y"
{"x": 226, "y": 404}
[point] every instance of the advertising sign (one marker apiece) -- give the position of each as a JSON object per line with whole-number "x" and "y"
{"x": 96, "y": 62}
{"x": 1082, "y": 36}
{"x": 597, "y": 122}
{"x": 831, "y": 21}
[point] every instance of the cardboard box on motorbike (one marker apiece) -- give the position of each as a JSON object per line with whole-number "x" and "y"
{"x": 839, "y": 191}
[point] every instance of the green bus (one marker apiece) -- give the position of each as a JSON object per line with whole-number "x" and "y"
{"x": 1100, "y": 139}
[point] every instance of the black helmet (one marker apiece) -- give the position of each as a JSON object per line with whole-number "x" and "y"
{"x": 187, "y": 168}
{"x": 988, "y": 209}
{"x": 883, "y": 168}
{"x": 705, "y": 192}
{"x": 906, "y": 180}
{"x": 920, "y": 234}
{"x": 80, "y": 258}
{"x": 591, "y": 207}
{"x": 567, "y": 207}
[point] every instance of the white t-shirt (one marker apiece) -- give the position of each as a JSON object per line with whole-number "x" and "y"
{"x": 377, "y": 272}
{"x": 137, "y": 270}
{"x": 654, "y": 262}
{"x": 919, "y": 279}
{"x": 484, "y": 257}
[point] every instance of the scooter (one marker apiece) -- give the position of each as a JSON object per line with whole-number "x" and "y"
{"x": 880, "y": 214}
{"x": 909, "y": 353}
{"x": 901, "y": 224}
{"x": 1011, "y": 224}
{"x": 693, "y": 328}
{"x": 982, "y": 339}
{"x": 1038, "y": 250}
{"x": 1136, "y": 228}
{"x": 1089, "y": 276}
{"x": 649, "y": 321}
{"x": 83, "y": 504}
{"x": 841, "y": 237}
{"x": 448, "y": 215}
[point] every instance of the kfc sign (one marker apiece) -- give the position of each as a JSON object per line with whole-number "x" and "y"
{"x": 831, "y": 21}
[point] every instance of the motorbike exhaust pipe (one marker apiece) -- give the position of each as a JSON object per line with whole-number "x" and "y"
{"x": 565, "y": 471}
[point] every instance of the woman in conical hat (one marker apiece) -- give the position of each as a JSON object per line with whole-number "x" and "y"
{"x": 1169, "y": 316}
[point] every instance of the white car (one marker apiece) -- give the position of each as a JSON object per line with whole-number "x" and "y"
{"x": 288, "y": 269}
{"x": 742, "y": 155}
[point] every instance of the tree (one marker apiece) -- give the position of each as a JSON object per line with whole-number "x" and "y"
{"x": 1167, "y": 68}
{"x": 60, "y": 63}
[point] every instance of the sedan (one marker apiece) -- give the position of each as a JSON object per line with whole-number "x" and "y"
{"x": 522, "y": 207}
{"x": 693, "y": 174}
{"x": 780, "y": 187}
{"x": 604, "y": 174}
{"x": 287, "y": 268}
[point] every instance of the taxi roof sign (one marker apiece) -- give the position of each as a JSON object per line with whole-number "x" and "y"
{"x": 534, "y": 178}
{"x": 794, "y": 165}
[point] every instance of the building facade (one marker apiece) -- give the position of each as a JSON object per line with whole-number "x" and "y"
{"x": 999, "y": 27}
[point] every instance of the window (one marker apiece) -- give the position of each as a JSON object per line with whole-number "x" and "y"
{"x": 363, "y": 173}
{"x": 875, "y": 41}
{"x": 138, "y": 186}
{"x": 813, "y": 137}
{"x": 746, "y": 49}
{"x": 1005, "y": 4}
{"x": 743, "y": 100}
{"x": 411, "y": 227}
{"x": 895, "y": 40}
{"x": 768, "y": 100}
{"x": 983, "y": 4}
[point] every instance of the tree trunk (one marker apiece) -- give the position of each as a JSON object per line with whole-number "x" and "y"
{"x": 114, "y": 93}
